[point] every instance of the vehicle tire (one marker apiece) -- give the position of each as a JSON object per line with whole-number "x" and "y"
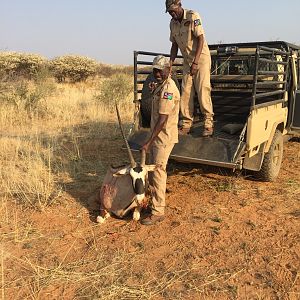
{"x": 272, "y": 160}
{"x": 146, "y": 99}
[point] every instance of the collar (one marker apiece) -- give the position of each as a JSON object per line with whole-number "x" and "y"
{"x": 184, "y": 16}
{"x": 159, "y": 87}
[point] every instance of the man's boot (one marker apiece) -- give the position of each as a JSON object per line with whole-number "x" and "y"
{"x": 183, "y": 131}
{"x": 207, "y": 131}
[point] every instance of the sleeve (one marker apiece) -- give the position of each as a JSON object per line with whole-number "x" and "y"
{"x": 197, "y": 27}
{"x": 166, "y": 103}
{"x": 172, "y": 39}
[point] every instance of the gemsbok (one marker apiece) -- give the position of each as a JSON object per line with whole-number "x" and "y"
{"x": 124, "y": 188}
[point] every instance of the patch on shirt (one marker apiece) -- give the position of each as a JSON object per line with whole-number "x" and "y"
{"x": 168, "y": 96}
{"x": 187, "y": 23}
{"x": 197, "y": 22}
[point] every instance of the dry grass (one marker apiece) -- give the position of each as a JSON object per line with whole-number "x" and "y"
{"x": 29, "y": 161}
{"x": 27, "y": 172}
{"x": 39, "y": 155}
{"x": 116, "y": 275}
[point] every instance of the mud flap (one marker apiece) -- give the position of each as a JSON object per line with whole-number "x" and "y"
{"x": 255, "y": 162}
{"x": 194, "y": 149}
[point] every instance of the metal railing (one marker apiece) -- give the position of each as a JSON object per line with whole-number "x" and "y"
{"x": 268, "y": 79}
{"x": 276, "y": 83}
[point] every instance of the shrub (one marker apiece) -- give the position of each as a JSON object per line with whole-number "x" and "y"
{"x": 73, "y": 67}
{"x": 115, "y": 89}
{"x": 108, "y": 70}
{"x": 14, "y": 64}
{"x": 105, "y": 70}
{"x": 25, "y": 95}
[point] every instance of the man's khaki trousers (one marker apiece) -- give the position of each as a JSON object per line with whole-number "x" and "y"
{"x": 159, "y": 155}
{"x": 199, "y": 83}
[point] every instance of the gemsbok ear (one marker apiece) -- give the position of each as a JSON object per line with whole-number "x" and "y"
{"x": 151, "y": 168}
{"x": 122, "y": 172}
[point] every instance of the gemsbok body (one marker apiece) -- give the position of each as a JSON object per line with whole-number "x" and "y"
{"x": 124, "y": 188}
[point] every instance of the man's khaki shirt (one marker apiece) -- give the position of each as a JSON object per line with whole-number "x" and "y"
{"x": 186, "y": 32}
{"x": 166, "y": 99}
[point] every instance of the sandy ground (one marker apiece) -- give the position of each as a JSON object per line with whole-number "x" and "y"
{"x": 225, "y": 236}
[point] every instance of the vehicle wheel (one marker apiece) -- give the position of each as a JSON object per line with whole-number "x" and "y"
{"x": 146, "y": 99}
{"x": 272, "y": 160}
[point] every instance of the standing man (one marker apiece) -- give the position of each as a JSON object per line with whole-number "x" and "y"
{"x": 187, "y": 34}
{"x": 164, "y": 135}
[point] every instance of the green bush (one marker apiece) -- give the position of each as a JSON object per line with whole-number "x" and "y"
{"x": 115, "y": 89}
{"x": 14, "y": 64}
{"x": 73, "y": 67}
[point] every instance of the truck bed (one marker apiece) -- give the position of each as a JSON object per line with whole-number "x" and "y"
{"x": 222, "y": 149}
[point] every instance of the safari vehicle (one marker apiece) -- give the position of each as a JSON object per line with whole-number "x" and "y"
{"x": 256, "y": 100}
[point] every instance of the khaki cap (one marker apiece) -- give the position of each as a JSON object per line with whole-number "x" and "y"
{"x": 160, "y": 62}
{"x": 170, "y": 4}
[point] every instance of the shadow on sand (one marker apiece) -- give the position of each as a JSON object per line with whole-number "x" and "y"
{"x": 86, "y": 151}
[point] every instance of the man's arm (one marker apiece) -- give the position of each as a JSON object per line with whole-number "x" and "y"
{"x": 173, "y": 54}
{"x": 162, "y": 120}
{"x": 199, "y": 47}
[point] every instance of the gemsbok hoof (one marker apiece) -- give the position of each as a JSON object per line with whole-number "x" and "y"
{"x": 136, "y": 215}
{"x": 101, "y": 219}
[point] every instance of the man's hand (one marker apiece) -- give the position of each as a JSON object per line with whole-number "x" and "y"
{"x": 161, "y": 122}
{"x": 194, "y": 69}
{"x": 152, "y": 86}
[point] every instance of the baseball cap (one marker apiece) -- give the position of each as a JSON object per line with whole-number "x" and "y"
{"x": 160, "y": 62}
{"x": 171, "y": 3}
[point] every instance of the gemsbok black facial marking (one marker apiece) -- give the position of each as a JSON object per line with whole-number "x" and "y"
{"x": 138, "y": 169}
{"x": 139, "y": 187}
